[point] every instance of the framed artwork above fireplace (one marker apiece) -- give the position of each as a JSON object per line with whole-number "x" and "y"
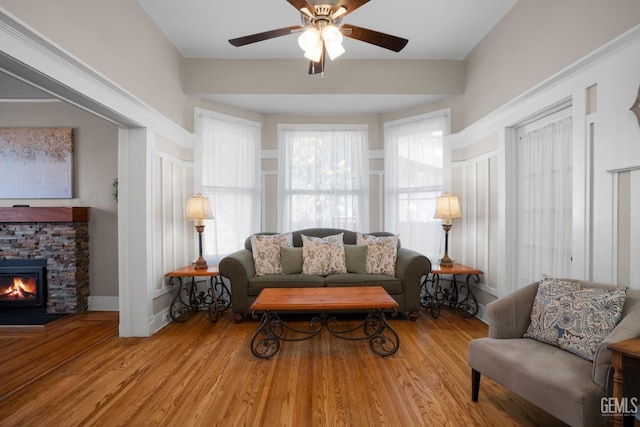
{"x": 37, "y": 163}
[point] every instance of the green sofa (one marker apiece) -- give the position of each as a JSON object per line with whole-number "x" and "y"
{"x": 239, "y": 268}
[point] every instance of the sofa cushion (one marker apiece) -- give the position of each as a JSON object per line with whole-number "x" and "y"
{"x": 291, "y": 260}
{"x": 258, "y": 283}
{"x": 574, "y": 318}
{"x": 266, "y": 252}
{"x": 381, "y": 255}
{"x": 323, "y": 255}
{"x": 356, "y": 256}
{"x": 390, "y": 284}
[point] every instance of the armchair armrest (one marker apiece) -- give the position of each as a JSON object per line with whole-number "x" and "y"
{"x": 238, "y": 267}
{"x": 410, "y": 267}
{"x": 629, "y": 327}
{"x": 510, "y": 315}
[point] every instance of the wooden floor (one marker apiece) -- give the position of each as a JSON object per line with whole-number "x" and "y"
{"x": 77, "y": 371}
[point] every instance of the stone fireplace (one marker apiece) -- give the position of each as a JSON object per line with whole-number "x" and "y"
{"x": 60, "y": 237}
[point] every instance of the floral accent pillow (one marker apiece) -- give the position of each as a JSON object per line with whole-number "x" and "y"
{"x": 323, "y": 255}
{"x": 573, "y": 317}
{"x": 266, "y": 252}
{"x": 381, "y": 254}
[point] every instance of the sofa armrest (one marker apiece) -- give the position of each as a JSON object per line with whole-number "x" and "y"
{"x": 509, "y": 316}
{"x": 238, "y": 267}
{"x": 411, "y": 266}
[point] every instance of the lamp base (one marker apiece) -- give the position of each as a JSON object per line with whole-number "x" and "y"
{"x": 200, "y": 263}
{"x": 446, "y": 261}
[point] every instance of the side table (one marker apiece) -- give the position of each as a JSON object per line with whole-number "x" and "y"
{"x": 188, "y": 300}
{"x": 623, "y": 353}
{"x": 432, "y": 295}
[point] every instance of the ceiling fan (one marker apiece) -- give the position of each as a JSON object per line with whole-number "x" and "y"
{"x": 322, "y": 32}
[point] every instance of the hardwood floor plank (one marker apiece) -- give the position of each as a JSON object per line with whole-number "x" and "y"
{"x": 203, "y": 374}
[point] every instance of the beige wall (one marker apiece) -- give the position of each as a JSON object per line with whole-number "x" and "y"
{"x": 119, "y": 40}
{"x": 95, "y": 168}
{"x": 287, "y": 76}
{"x": 535, "y": 40}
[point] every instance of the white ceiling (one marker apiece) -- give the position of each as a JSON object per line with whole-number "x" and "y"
{"x": 436, "y": 29}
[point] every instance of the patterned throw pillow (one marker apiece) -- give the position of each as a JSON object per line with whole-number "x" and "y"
{"x": 573, "y": 317}
{"x": 266, "y": 251}
{"x": 381, "y": 255}
{"x": 323, "y": 255}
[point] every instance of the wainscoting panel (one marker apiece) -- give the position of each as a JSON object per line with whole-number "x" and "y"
{"x": 475, "y": 236}
{"x": 626, "y": 184}
{"x": 174, "y": 238}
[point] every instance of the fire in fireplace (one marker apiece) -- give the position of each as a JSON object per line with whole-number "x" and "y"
{"x": 23, "y": 282}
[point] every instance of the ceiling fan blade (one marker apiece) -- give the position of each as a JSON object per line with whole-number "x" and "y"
{"x": 318, "y": 67}
{"x": 241, "y": 41}
{"x": 301, "y": 5}
{"x": 350, "y": 5}
{"x": 386, "y": 41}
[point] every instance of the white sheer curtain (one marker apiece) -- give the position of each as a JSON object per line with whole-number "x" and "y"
{"x": 231, "y": 178}
{"x": 544, "y": 176}
{"x": 323, "y": 177}
{"x": 414, "y": 178}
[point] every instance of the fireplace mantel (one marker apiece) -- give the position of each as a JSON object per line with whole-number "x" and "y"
{"x": 44, "y": 214}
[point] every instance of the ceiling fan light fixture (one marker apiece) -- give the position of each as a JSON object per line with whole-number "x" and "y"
{"x": 333, "y": 41}
{"x": 338, "y": 13}
{"x": 309, "y": 39}
{"x": 315, "y": 53}
{"x": 322, "y": 32}
{"x": 334, "y": 50}
{"x": 332, "y": 35}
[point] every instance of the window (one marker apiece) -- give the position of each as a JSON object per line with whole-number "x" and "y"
{"x": 230, "y": 172}
{"x": 545, "y": 200}
{"x": 323, "y": 175}
{"x": 414, "y": 178}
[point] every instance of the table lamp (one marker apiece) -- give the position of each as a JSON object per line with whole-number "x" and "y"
{"x": 199, "y": 209}
{"x": 447, "y": 208}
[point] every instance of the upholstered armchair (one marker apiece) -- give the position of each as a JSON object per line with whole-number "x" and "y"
{"x": 562, "y": 383}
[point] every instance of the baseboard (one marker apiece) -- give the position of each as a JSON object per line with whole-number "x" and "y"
{"x": 103, "y": 303}
{"x": 159, "y": 321}
{"x": 482, "y": 314}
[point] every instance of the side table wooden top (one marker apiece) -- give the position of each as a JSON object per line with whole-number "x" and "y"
{"x": 455, "y": 269}
{"x": 338, "y": 298}
{"x": 629, "y": 348}
{"x": 191, "y": 271}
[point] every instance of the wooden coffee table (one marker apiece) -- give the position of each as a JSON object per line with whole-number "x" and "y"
{"x": 383, "y": 339}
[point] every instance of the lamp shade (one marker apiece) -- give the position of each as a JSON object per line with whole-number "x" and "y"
{"x": 447, "y": 207}
{"x": 198, "y": 208}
